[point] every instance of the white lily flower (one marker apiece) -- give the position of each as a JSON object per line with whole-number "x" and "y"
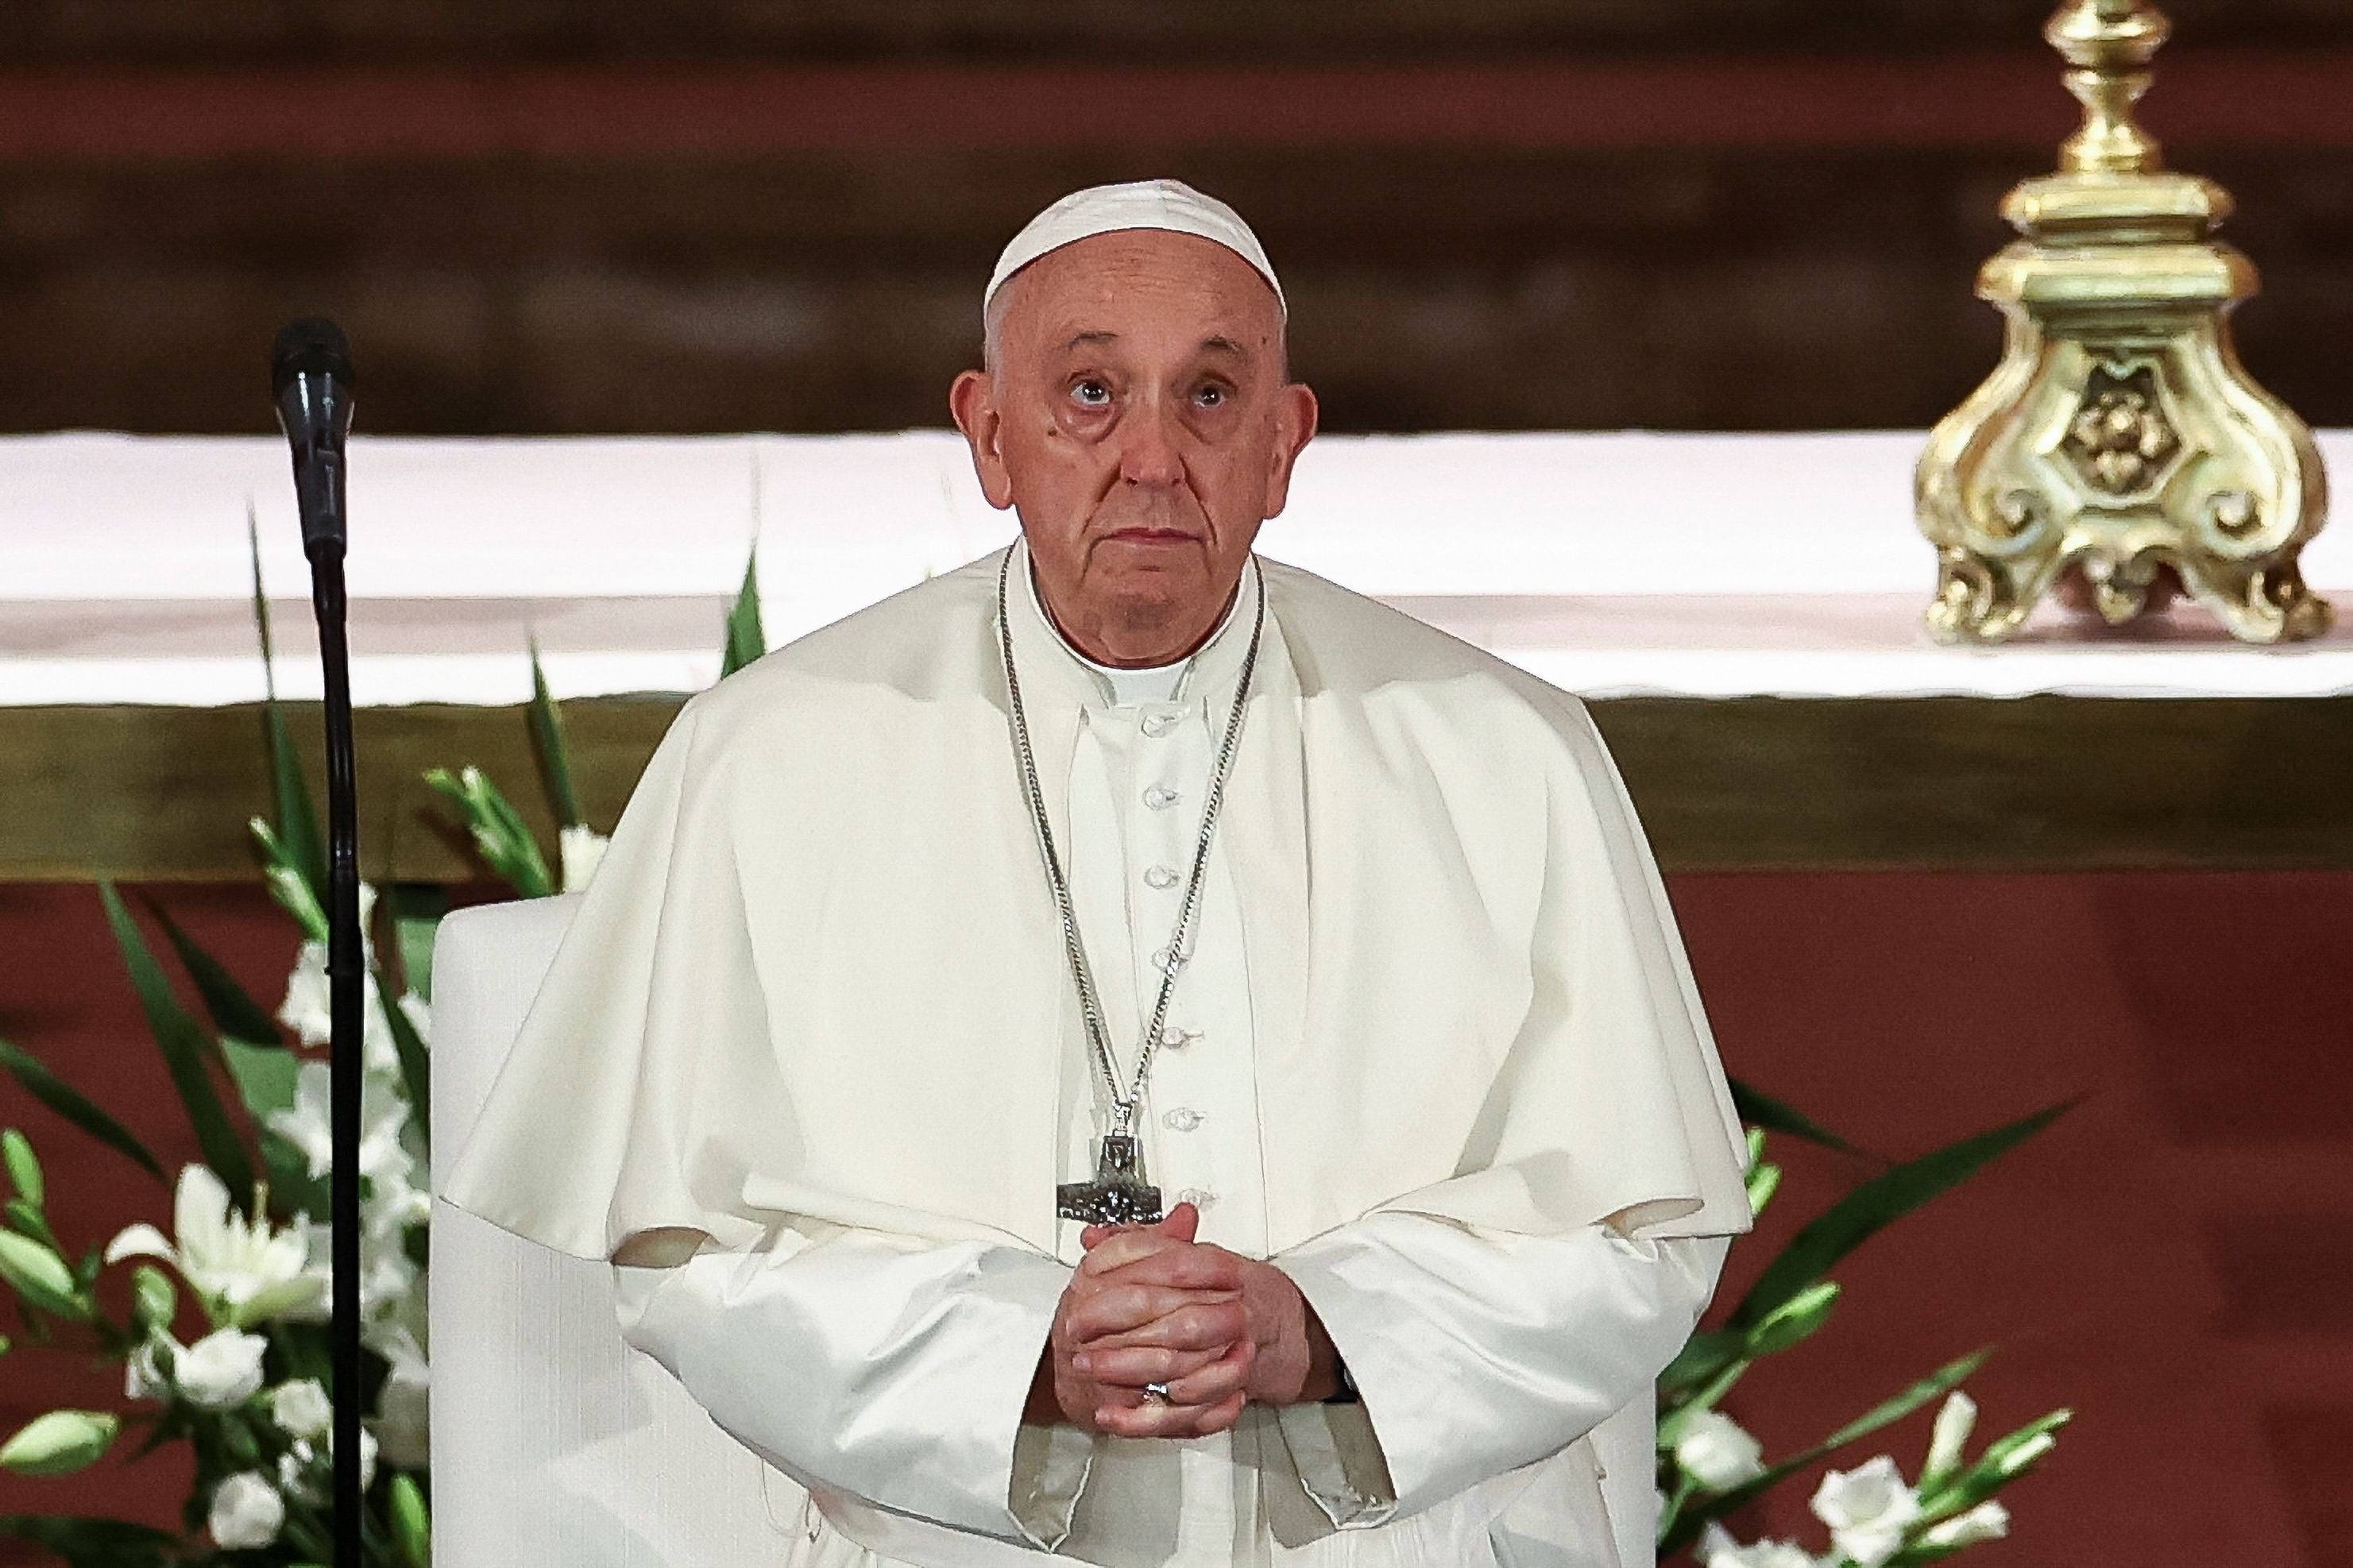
{"x": 222, "y": 1369}
{"x": 581, "y": 851}
{"x": 1955, "y": 1419}
{"x": 246, "y": 1512}
{"x": 246, "y": 1271}
{"x": 1867, "y": 1509}
{"x": 1986, "y": 1521}
{"x": 302, "y": 1408}
{"x": 1713, "y": 1451}
{"x": 308, "y": 1124}
{"x": 1718, "y": 1549}
{"x": 295, "y": 1465}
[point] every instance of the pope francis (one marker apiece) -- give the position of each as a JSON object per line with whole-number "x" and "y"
{"x": 1127, "y": 1050}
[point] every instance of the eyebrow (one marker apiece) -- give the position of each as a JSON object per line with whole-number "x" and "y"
{"x": 1216, "y": 344}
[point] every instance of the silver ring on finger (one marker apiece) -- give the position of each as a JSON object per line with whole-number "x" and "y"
{"x": 1157, "y": 1394}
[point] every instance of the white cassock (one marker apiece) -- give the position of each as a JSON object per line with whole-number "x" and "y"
{"x": 1435, "y": 1052}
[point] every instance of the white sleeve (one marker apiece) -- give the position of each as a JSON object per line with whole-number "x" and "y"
{"x": 860, "y": 1363}
{"x": 1477, "y": 1353}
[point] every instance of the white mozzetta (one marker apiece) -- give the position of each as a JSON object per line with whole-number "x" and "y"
{"x": 1608, "y": 564}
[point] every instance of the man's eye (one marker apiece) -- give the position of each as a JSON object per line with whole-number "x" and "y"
{"x": 1211, "y": 397}
{"x": 1090, "y": 394}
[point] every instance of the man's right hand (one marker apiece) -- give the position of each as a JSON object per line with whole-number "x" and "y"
{"x": 1201, "y": 1344}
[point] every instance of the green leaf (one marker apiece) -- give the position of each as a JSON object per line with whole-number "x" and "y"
{"x": 23, "y": 1167}
{"x": 547, "y": 739}
{"x": 499, "y": 834}
{"x": 231, "y": 1007}
{"x": 1704, "y": 1356}
{"x": 91, "y": 1542}
{"x": 746, "y": 639}
{"x": 38, "y": 1275}
{"x": 1764, "y": 1180}
{"x": 1877, "y": 1204}
{"x": 68, "y": 1102}
{"x": 60, "y": 1443}
{"x": 186, "y": 1051}
{"x": 417, "y": 908}
{"x": 411, "y": 1526}
{"x": 415, "y": 1065}
{"x": 265, "y": 1076}
{"x": 297, "y": 823}
{"x": 1886, "y": 1413}
{"x": 1758, "y": 1108}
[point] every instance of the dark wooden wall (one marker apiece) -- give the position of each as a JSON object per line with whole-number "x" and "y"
{"x": 552, "y": 218}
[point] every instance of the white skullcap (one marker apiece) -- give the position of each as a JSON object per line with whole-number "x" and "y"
{"x": 1170, "y": 205}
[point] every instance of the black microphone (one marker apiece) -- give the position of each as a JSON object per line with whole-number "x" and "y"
{"x": 310, "y": 376}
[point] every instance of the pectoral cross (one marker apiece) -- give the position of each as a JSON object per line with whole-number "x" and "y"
{"x": 1119, "y": 1194}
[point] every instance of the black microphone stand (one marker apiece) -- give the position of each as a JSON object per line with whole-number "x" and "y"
{"x": 311, "y": 379}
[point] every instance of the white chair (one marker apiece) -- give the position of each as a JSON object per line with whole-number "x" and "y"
{"x": 554, "y": 1444}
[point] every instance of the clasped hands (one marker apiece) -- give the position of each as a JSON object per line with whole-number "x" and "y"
{"x": 1149, "y": 1304}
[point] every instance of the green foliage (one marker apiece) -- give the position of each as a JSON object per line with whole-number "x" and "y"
{"x": 411, "y": 1525}
{"x": 746, "y": 639}
{"x": 231, "y": 1007}
{"x": 60, "y": 1443}
{"x": 40, "y": 1277}
{"x": 554, "y": 754}
{"x": 53, "y": 1092}
{"x": 1761, "y": 1110}
{"x": 498, "y": 833}
{"x": 24, "y": 1168}
{"x": 91, "y": 1542}
{"x": 154, "y": 1300}
{"x": 187, "y": 1053}
{"x": 1877, "y": 1204}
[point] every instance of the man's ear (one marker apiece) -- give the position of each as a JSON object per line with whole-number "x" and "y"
{"x": 1294, "y": 426}
{"x": 972, "y": 402}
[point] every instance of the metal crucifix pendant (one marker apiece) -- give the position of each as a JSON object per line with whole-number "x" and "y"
{"x": 1119, "y": 1194}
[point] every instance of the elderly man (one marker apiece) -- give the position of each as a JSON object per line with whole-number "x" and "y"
{"x": 1128, "y": 1050}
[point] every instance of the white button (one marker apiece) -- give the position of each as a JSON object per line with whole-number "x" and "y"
{"x": 1161, "y": 877}
{"x": 1168, "y": 962}
{"x": 1184, "y": 1118}
{"x": 1160, "y": 797}
{"x": 1158, "y": 721}
{"x": 1173, "y": 1038}
{"x": 1199, "y": 1197}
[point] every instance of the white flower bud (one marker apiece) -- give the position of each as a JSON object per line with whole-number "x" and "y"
{"x": 302, "y": 1409}
{"x": 1955, "y": 1419}
{"x": 1986, "y": 1521}
{"x": 222, "y": 1369}
{"x": 1713, "y": 1451}
{"x": 246, "y": 1512}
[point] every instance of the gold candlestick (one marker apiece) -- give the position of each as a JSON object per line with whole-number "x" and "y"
{"x": 2119, "y": 435}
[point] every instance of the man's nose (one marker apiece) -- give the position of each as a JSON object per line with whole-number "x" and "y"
{"x": 1149, "y": 451}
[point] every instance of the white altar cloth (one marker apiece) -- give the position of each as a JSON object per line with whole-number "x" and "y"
{"x": 1612, "y": 564}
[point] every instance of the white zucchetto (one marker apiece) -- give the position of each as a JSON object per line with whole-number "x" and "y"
{"x": 1170, "y": 205}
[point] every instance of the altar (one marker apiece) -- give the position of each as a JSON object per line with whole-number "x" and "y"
{"x": 1743, "y": 612}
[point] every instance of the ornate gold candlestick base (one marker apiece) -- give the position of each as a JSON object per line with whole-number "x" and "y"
{"x": 2119, "y": 435}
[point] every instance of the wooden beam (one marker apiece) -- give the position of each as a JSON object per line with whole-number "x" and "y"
{"x": 610, "y": 112}
{"x": 163, "y": 794}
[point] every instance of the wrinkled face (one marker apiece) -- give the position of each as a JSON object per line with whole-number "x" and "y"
{"x": 1136, "y": 411}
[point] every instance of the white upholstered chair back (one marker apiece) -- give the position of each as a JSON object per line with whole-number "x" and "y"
{"x": 554, "y": 1444}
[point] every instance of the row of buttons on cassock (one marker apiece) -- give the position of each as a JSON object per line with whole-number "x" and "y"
{"x": 1157, "y": 723}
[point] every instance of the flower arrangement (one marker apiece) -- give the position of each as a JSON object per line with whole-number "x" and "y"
{"x": 224, "y": 1344}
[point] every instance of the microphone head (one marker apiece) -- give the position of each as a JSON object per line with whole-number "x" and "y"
{"x": 312, "y": 346}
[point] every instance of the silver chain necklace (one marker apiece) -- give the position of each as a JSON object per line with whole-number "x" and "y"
{"x": 1120, "y": 1195}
